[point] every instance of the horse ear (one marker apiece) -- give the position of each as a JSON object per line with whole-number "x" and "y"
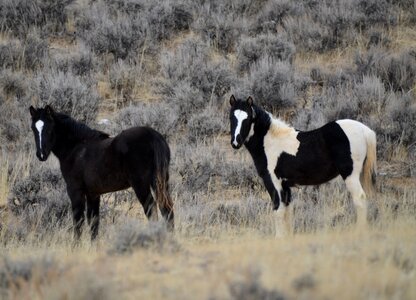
{"x": 232, "y": 100}
{"x": 32, "y": 111}
{"x": 250, "y": 101}
{"x": 49, "y": 110}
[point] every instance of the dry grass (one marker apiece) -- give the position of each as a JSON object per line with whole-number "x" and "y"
{"x": 341, "y": 262}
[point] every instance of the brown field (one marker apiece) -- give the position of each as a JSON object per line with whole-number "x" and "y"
{"x": 173, "y": 65}
{"x": 229, "y": 256}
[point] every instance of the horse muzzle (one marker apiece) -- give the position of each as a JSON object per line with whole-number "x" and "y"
{"x": 236, "y": 145}
{"x": 41, "y": 156}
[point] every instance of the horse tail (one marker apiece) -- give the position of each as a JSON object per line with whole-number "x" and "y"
{"x": 161, "y": 180}
{"x": 368, "y": 174}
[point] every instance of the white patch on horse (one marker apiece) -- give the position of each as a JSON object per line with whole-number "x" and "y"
{"x": 241, "y": 116}
{"x": 356, "y": 132}
{"x": 39, "y": 126}
{"x": 280, "y": 222}
{"x": 280, "y": 138}
{"x": 251, "y": 133}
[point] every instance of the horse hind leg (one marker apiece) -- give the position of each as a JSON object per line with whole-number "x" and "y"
{"x": 358, "y": 197}
{"x": 145, "y": 197}
{"x": 161, "y": 190}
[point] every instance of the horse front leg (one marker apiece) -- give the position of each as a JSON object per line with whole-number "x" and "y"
{"x": 93, "y": 215}
{"x": 78, "y": 210}
{"x": 275, "y": 191}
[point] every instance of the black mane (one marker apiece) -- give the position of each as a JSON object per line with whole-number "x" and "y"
{"x": 78, "y": 130}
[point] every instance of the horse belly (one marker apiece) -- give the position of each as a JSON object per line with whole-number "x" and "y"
{"x": 104, "y": 179}
{"x": 307, "y": 172}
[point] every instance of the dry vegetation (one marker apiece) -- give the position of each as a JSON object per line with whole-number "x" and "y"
{"x": 173, "y": 65}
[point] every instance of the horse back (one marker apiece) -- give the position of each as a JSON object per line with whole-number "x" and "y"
{"x": 139, "y": 141}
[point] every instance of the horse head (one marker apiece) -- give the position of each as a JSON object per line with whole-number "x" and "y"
{"x": 242, "y": 116}
{"x": 43, "y": 127}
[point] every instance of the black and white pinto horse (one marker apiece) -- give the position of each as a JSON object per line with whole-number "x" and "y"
{"x": 285, "y": 157}
{"x": 92, "y": 163}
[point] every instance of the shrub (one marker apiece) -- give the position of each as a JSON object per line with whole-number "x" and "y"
{"x": 14, "y": 272}
{"x": 186, "y": 100}
{"x": 370, "y": 95}
{"x": 29, "y": 54}
{"x": 309, "y": 118}
{"x": 271, "y": 83}
{"x": 123, "y": 79}
{"x": 203, "y": 168}
{"x": 134, "y": 235}
{"x": 191, "y": 80}
{"x": 155, "y": 115}
{"x": 104, "y": 33}
{"x": 397, "y": 72}
{"x": 197, "y": 214}
{"x": 377, "y": 38}
{"x": 79, "y": 62}
{"x": 55, "y": 14}
{"x": 308, "y": 35}
{"x": 10, "y": 53}
{"x": 133, "y": 7}
{"x": 304, "y": 282}
{"x": 35, "y": 49}
{"x": 247, "y": 212}
{"x": 401, "y": 111}
{"x": 12, "y": 84}
{"x": 375, "y": 12}
{"x": 13, "y": 123}
{"x": 219, "y": 29}
{"x": 252, "y": 289}
{"x": 250, "y": 50}
{"x": 40, "y": 200}
{"x": 166, "y": 19}
{"x": 205, "y": 124}
{"x": 67, "y": 93}
{"x": 273, "y": 14}
{"x": 19, "y": 16}
{"x": 83, "y": 285}
{"x": 189, "y": 69}
{"x": 198, "y": 168}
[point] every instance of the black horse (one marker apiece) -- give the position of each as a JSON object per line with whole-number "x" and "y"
{"x": 93, "y": 163}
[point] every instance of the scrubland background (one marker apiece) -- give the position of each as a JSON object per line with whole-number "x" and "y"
{"x": 173, "y": 65}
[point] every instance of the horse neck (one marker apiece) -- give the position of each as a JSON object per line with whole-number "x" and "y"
{"x": 264, "y": 123}
{"x": 66, "y": 138}
{"x": 261, "y": 126}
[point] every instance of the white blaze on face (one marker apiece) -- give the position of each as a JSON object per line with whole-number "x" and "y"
{"x": 39, "y": 126}
{"x": 241, "y": 116}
